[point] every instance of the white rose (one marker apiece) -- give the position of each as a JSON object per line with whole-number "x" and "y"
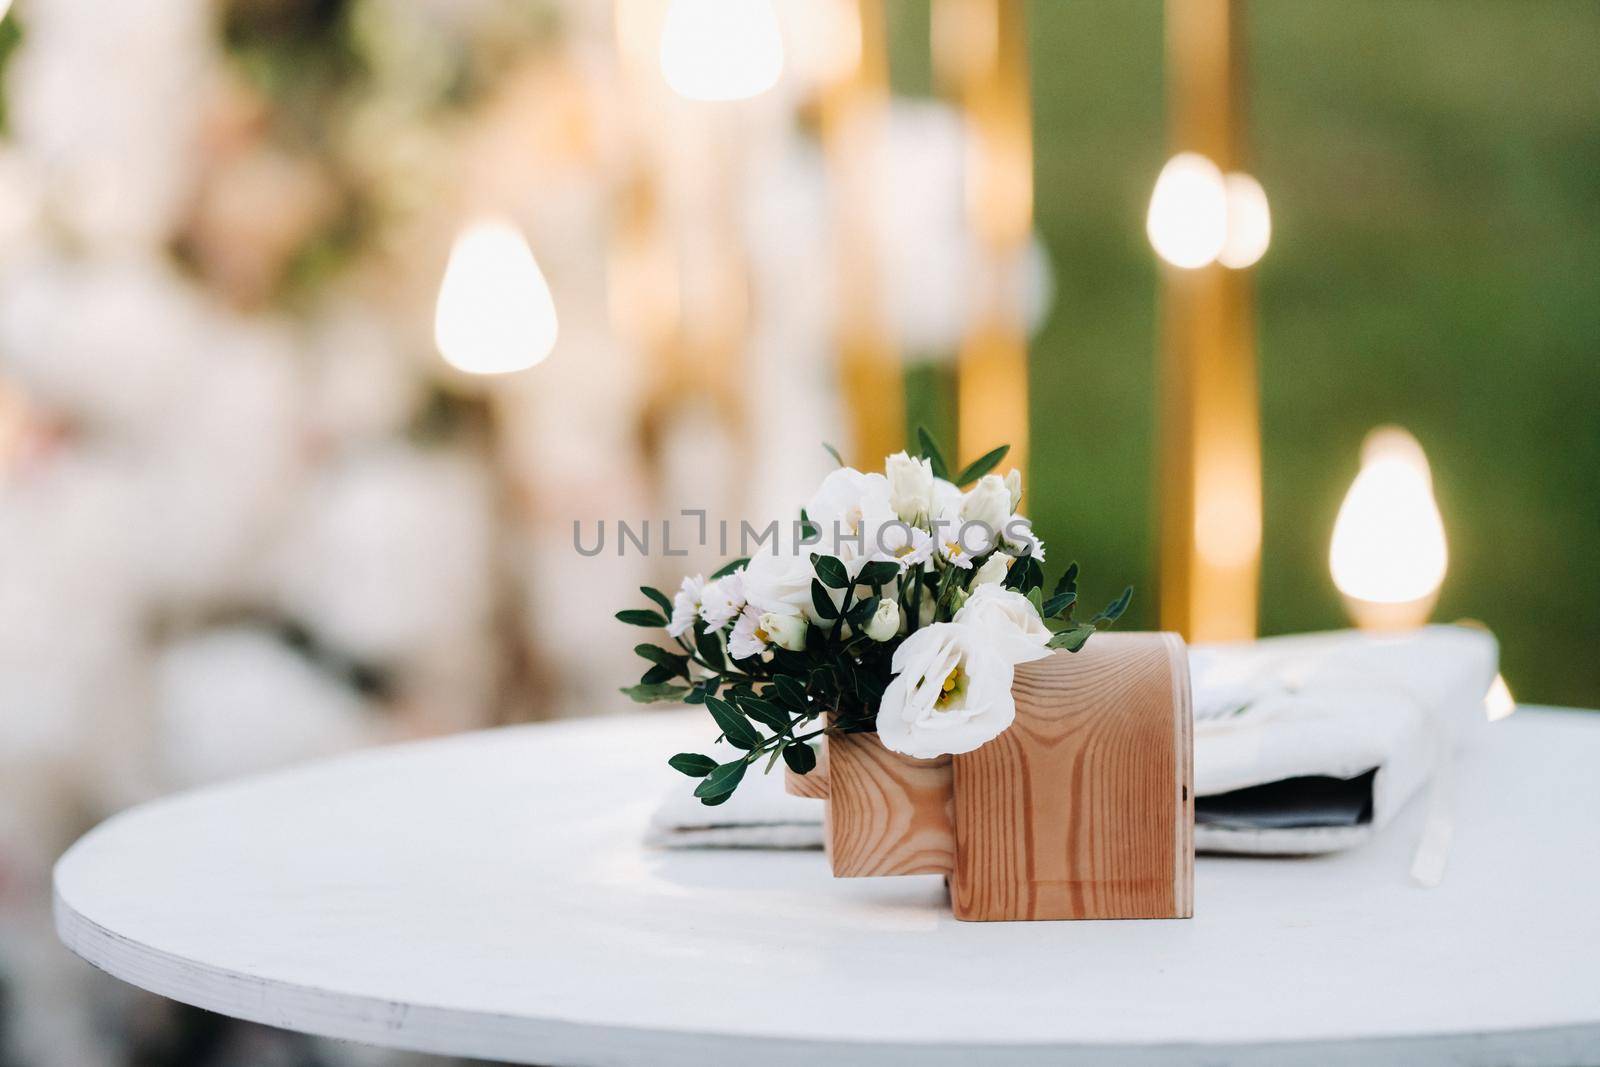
{"x": 1014, "y": 487}
{"x": 993, "y": 572}
{"x": 785, "y": 631}
{"x": 686, "y": 604}
{"x": 722, "y": 599}
{"x": 989, "y": 503}
{"x": 847, "y": 509}
{"x": 910, "y": 487}
{"x": 951, "y": 693}
{"x": 778, "y": 582}
{"x": 885, "y": 622}
{"x": 1008, "y": 619}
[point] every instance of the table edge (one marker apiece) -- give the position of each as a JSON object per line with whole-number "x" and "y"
{"x": 531, "y": 1038}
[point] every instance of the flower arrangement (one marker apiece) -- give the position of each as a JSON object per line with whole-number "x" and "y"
{"x": 900, "y": 604}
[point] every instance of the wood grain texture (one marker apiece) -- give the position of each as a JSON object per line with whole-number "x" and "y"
{"x": 1083, "y": 809}
{"x": 886, "y": 813}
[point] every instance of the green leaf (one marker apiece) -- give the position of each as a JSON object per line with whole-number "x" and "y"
{"x": 800, "y": 757}
{"x": 693, "y": 764}
{"x": 657, "y": 654}
{"x": 1068, "y": 582}
{"x": 641, "y": 617}
{"x": 731, "y": 566}
{"x": 830, "y": 570}
{"x": 712, "y": 802}
{"x": 764, "y": 712}
{"x": 650, "y": 694}
{"x": 722, "y": 781}
{"x": 1073, "y": 637}
{"x": 658, "y": 674}
{"x": 659, "y": 597}
{"x": 820, "y": 600}
{"x": 858, "y": 615}
{"x": 931, "y": 452}
{"x": 735, "y": 727}
{"x": 709, "y": 647}
{"x": 1113, "y": 611}
{"x": 982, "y": 465}
{"x": 791, "y": 691}
{"x": 834, "y": 452}
{"x": 1057, "y": 604}
{"x": 878, "y": 573}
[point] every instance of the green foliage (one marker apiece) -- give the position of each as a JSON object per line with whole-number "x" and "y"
{"x": 774, "y": 704}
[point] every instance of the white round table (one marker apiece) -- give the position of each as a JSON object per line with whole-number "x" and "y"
{"x": 487, "y": 895}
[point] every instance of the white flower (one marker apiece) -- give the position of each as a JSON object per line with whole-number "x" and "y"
{"x": 747, "y": 639}
{"x": 885, "y": 622}
{"x": 951, "y": 692}
{"x": 993, "y": 571}
{"x": 1017, "y": 534}
{"x": 757, "y": 630}
{"x": 988, "y": 503}
{"x": 954, "y": 552}
{"x": 778, "y": 582}
{"x": 847, "y": 509}
{"x": 722, "y": 599}
{"x": 910, "y": 487}
{"x": 1008, "y": 619}
{"x": 785, "y": 631}
{"x": 902, "y": 543}
{"x": 686, "y": 605}
{"x": 1014, "y": 487}
{"x": 946, "y": 501}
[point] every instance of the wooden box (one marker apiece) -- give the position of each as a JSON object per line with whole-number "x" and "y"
{"x": 1083, "y": 809}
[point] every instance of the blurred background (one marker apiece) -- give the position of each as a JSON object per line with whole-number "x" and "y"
{"x": 262, "y": 499}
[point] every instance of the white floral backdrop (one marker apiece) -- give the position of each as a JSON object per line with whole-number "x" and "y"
{"x": 247, "y": 515}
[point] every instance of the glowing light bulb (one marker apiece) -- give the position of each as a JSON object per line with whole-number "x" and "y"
{"x": 1388, "y": 555}
{"x": 1249, "y": 228}
{"x": 495, "y": 313}
{"x": 1498, "y": 702}
{"x": 721, "y": 49}
{"x": 1188, "y": 219}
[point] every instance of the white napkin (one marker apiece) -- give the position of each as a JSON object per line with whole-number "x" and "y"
{"x": 1331, "y": 705}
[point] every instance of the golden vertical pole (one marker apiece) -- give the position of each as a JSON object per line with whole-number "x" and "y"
{"x": 1210, "y": 422}
{"x": 980, "y": 52}
{"x": 854, "y": 114}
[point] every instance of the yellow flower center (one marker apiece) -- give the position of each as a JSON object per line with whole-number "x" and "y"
{"x": 954, "y": 684}
{"x": 761, "y": 635}
{"x": 952, "y": 548}
{"x": 903, "y": 551}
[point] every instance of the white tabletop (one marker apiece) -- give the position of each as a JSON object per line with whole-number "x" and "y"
{"x": 487, "y": 895}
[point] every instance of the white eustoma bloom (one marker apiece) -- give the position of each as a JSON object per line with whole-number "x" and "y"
{"x": 778, "y": 582}
{"x": 686, "y": 605}
{"x": 1009, "y": 619}
{"x": 885, "y": 622}
{"x": 747, "y": 638}
{"x": 988, "y": 503}
{"x": 1017, "y": 535}
{"x": 785, "y": 631}
{"x": 722, "y": 599}
{"x": 910, "y": 486}
{"x": 1014, "y": 487}
{"x": 951, "y": 692}
{"x": 947, "y": 498}
{"x": 847, "y": 509}
{"x": 902, "y": 543}
{"x": 993, "y": 571}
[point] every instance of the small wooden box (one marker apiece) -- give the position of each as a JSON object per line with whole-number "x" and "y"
{"x": 1083, "y": 809}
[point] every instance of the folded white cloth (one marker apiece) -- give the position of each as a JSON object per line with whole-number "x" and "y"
{"x": 1363, "y": 718}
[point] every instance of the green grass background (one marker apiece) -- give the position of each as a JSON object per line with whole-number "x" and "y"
{"x": 1434, "y": 174}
